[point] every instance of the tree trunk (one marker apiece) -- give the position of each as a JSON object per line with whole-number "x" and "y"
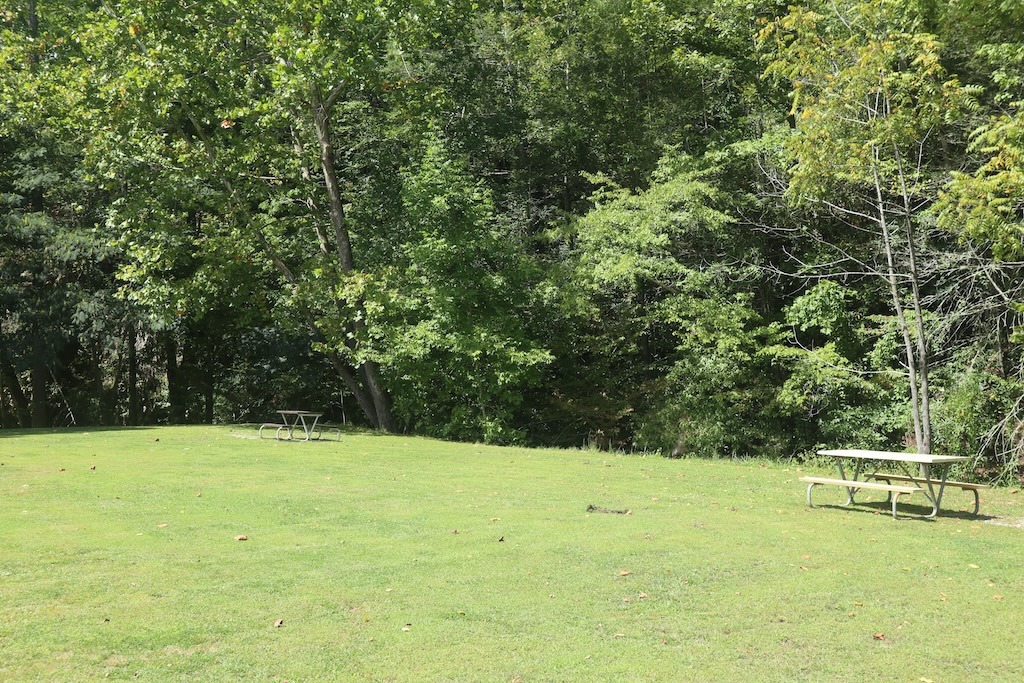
{"x": 208, "y": 395}
{"x": 18, "y": 398}
{"x": 925, "y": 444}
{"x": 40, "y": 397}
{"x": 33, "y": 32}
{"x": 1002, "y": 345}
{"x": 3, "y": 404}
{"x": 370, "y": 371}
{"x": 175, "y": 380}
{"x": 901, "y": 318}
{"x": 133, "y": 375}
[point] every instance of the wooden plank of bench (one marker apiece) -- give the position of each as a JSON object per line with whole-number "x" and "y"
{"x": 852, "y": 484}
{"x": 921, "y": 480}
{"x": 856, "y": 484}
{"x": 966, "y": 486}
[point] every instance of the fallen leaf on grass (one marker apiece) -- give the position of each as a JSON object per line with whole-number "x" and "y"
{"x": 974, "y": 566}
{"x": 997, "y": 597}
{"x": 160, "y": 526}
{"x": 625, "y": 572}
{"x": 241, "y": 537}
{"x": 925, "y": 680}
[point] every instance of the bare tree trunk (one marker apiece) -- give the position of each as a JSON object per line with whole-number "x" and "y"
{"x": 925, "y": 444}
{"x": 901, "y": 318}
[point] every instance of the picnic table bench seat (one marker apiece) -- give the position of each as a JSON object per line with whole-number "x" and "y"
{"x": 964, "y": 485}
{"x": 276, "y": 426}
{"x": 894, "y": 490}
{"x": 321, "y": 428}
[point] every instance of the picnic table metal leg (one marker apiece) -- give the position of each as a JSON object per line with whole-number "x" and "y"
{"x": 842, "y": 475}
{"x": 895, "y": 498}
{"x": 849, "y": 494}
{"x": 850, "y": 490}
{"x": 308, "y": 429}
{"x": 875, "y": 476}
{"x": 936, "y": 498}
{"x": 287, "y": 427}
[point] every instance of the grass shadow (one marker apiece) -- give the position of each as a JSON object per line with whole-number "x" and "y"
{"x": 36, "y": 431}
{"x": 906, "y": 511}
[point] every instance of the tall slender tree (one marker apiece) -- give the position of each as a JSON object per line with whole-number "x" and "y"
{"x": 872, "y": 103}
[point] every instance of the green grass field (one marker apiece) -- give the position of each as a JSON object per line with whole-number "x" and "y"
{"x": 404, "y": 559}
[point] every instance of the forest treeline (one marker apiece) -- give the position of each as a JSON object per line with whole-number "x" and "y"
{"x": 709, "y": 227}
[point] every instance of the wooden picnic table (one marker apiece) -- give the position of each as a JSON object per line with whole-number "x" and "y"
{"x": 922, "y": 481}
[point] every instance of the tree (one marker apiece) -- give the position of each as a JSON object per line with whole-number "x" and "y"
{"x": 673, "y": 324}
{"x": 58, "y": 316}
{"x": 873, "y": 106}
{"x": 285, "y": 137}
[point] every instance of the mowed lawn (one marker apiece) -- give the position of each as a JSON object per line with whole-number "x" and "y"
{"x": 404, "y": 559}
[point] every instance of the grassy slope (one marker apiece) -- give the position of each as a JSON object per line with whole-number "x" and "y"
{"x": 131, "y": 571}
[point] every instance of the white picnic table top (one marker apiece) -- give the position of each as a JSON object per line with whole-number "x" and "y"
{"x": 920, "y": 458}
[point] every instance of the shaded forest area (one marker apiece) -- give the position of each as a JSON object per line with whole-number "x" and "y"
{"x": 705, "y": 227}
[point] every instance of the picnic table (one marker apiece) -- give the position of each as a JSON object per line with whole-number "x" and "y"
{"x": 930, "y": 479}
{"x": 294, "y": 420}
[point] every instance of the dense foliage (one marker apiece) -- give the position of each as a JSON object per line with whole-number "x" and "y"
{"x": 700, "y": 227}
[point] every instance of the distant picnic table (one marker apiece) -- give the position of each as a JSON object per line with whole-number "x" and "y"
{"x": 910, "y": 482}
{"x": 304, "y": 422}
